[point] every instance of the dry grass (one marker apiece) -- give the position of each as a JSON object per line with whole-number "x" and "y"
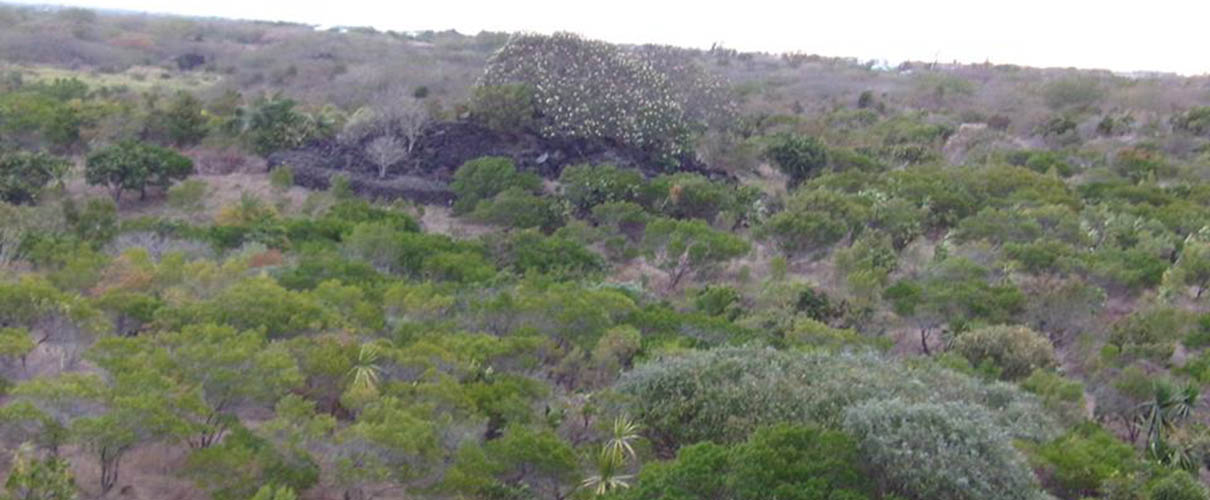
{"x": 138, "y": 78}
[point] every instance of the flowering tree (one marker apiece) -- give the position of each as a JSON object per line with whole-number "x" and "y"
{"x": 592, "y": 89}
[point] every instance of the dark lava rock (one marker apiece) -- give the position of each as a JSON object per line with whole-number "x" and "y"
{"x": 447, "y": 145}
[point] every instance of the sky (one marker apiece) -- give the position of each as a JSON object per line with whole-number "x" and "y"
{"x": 1156, "y": 35}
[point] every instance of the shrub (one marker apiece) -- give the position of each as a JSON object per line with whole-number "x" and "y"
{"x": 1078, "y": 93}
{"x": 586, "y": 186}
{"x": 97, "y": 222}
{"x": 24, "y": 174}
{"x": 188, "y": 194}
{"x": 1080, "y": 461}
{"x": 181, "y": 123}
{"x": 517, "y": 208}
{"x": 782, "y": 461}
{"x": 484, "y": 178}
{"x": 281, "y": 177}
{"x": 273, "y": 124}
{"x": 526, "y": 251}
{"x": 939, "y": 450}
{"x": 507, "y": 108}
{"x": 814, "y": 219}
{"x": 799, "y": 157}
{"x": 340, "y": 188}
{"x": 718, "y": 300}
{"x": 724, "y": 394}
{"x": 687, "y": 195}
{"x": 1178, "y": 485}
{"x": 690, "y": 247}
{"x": 1016, "y": 350}
{"x": 1194, "y": 121}
{"x": 1138, "y": 164}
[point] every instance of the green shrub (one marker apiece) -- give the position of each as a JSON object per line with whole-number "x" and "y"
{"x": 236, "y": 468}
{"x": 273, "y": 124}
{"x": 1194, "y": 121}
{"x": 1080, "y": 461}
{"x": 587, "y": 186}
{"x": 518, "y": 208}
{"x": 24, "y": 174}
{"x": 187, "y": 195}
{"x": 785, "y": 461}
{"x": 281, "y": 177}
{"x": 690, "y": 247}
{"x": 507, "y": 108}
{"x": 939, "y": 450}
{"x": 1077, "y": 93}
{"x": 723, "y": 395}
{"x": 483, "y": 178}
{"x": 1016, "y": 350}
{"x": 814, "y": 219}
{"x": 96, "y": 223}
{"x": 526, "y": 251}
{"x": 1178, "y": 485}
{"x": 799, "y": 157}
{"x": 718, "y": 300}
{"x": 340, "y": 188}
{"x": 691, "y": 196}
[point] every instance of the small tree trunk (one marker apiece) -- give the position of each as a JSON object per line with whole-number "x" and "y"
{"x": 924, "y": 344}
{"x": 110, "y": 459}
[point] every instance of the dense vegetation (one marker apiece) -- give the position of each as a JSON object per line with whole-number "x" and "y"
{"x": 922, "y": 282}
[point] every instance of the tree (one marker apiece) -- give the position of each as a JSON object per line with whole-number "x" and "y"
{"x": 681, "y": 247}
{"x": 217, "y": 362}
{"x": 135, "y": 165}
{"x": 388, "y": 129}
{"x": 392, "y": 441}
{"x": 23, "y": 174}
{"x": 385, "y": 151}
{"x": 953, "y": 292}
{"x": 591, "y": 89}
{"x": 797, "y": 156}
{"x": 107, "y": 417}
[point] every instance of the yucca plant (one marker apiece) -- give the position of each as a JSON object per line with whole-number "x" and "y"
{"x": 608, "y": 475}
{"x": 624, "y": 432}
{"x": 365, "y": 372}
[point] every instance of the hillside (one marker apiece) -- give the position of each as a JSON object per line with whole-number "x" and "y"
{"x": 246, "y": 260}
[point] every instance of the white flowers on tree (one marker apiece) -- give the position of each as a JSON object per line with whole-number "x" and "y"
{"x": 652, "y": 98}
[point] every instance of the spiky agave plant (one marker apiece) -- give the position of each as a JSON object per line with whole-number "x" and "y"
{"x": 609, "y": 475}
{"x": 365, "y": 372}
{"x": 624, "y": 432}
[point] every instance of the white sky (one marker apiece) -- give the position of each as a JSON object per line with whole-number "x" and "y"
{"x": 1156, "y": 35}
